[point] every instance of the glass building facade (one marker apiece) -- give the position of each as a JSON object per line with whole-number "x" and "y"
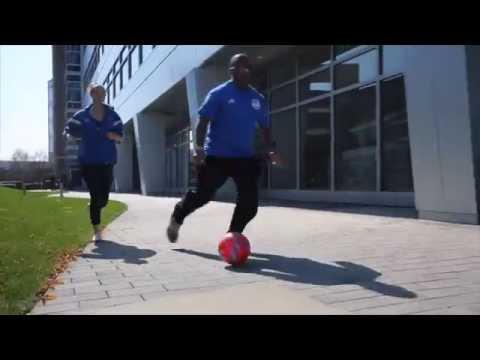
{"x": 361, "y": 124}
{"x": 339, "y": 118}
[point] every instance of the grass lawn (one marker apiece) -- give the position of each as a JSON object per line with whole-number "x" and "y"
{"x": 35, "y": 230}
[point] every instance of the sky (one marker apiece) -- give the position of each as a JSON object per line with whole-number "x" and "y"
{"x": 24, "y": 74}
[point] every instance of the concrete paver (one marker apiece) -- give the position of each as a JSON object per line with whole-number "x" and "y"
{"x": 342, "y": 260}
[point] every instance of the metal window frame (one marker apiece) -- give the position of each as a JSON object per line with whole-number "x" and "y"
{"x": 286, "y": 82}
{"x": 350, "y": 53}
{"x": 294, "y": 83}
{"x": 363, "y": 52}
{"x": 378, "y": 120}
{"x": 316, "y": 69}
{"x": 297, "y": 127}
{"x": 324, "y": 69}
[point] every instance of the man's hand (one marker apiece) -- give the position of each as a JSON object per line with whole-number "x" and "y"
{"x": 199, "y": 157}
{"x": 113, "y": 136}
{"x": 275, "y": 159}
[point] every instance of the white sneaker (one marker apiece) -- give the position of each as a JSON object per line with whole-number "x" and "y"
{"x": 97, "y": 236}
{"x": 172, "y": 230}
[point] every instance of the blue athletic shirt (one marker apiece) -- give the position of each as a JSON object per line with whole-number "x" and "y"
{"x": 95, "y": 147}
{"x": 233, "y": 114}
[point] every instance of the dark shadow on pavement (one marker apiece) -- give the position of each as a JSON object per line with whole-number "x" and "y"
{"x": 386, "y": 211}
{"x": 111, "y": 250}
{"x": 306, "y": 271}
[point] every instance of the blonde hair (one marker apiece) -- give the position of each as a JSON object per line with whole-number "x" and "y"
{"x": 94, "y": 86}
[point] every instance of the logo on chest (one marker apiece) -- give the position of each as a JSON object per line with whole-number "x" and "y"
{"x": 231, "y": 101}
{"x": 256, "y": 104}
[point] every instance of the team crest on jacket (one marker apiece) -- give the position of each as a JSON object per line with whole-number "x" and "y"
{"x": 256, "y": 104}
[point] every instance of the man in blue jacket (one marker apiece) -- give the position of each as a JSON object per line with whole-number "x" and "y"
{"x": 225, "y": 147}
{"x": 99, "y": 127}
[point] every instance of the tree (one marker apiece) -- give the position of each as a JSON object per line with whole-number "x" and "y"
{"x": 39, "y": 156}
{"x": 20, "y": 155}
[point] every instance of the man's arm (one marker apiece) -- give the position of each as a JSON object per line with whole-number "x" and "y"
{"x": 267, "y": 139}
{"x": 200, "y": 133}
{"x": 271, "y": 147}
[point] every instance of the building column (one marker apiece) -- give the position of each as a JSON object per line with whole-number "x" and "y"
{"x": 124, "y": 169}
{"x": 150, "y": 141}
{"x": 473, "y": 61}
{"x": 440, "y": 133}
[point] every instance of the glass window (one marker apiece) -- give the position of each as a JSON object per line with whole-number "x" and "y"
{"x": 312, "y": 57}
{"x": 259, "y": 146}
{"x": 116, "y": 82}
{"x": 120, "y": 76}
{"x": 134, "y": 59}
{"x": 73, "y": 57}
{"x": 72, "y": 47}
{"x": 114, "y": 93}
{"x": 355, "y": 140}
{"x": 123, "y": 53}
{"x": 73, "y": 94}
{"x": 359, "y": 69}
{"x": 282, "y": 97}
{"x": 342, "y": 49}
{"x": 109, "y": 92}
{"x": 282, "y": 70}
{"x": 315, "y": 85}
{"x": 73, "y": 105}
{"x": 259, "y": 82}
{"x": 125, "y": 72}
{"x": 315, "y": 140}
{"x": 394, "y": 59}
{"x": 284, "y": 132}
{"x": 140, "y": 54}
{"x": 73, "y": 77}
{"x": 73, "y": 68}
{"x": 396, "y": 161}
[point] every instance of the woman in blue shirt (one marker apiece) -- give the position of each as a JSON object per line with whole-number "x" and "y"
{"x": 99, "y": 127}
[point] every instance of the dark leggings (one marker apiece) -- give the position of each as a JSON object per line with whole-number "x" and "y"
{"x": 211, "y": 176}
{"x": 99, "y": 180}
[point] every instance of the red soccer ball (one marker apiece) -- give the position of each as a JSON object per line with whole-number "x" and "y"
{"x": 234, "y": 249}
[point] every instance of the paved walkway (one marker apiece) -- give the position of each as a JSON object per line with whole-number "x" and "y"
{"x": 345, "y": 260}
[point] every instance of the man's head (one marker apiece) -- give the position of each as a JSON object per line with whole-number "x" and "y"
{"x": 97, "y": 93}
{"x": 241, "y": 69}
